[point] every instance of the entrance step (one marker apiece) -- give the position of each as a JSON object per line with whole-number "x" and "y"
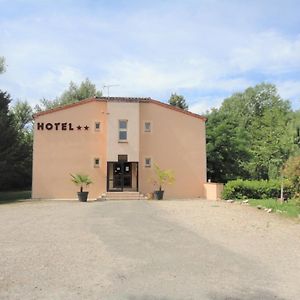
{"x": 122, "y": 196}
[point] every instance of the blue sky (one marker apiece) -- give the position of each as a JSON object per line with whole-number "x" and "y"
{"x": 205, "y": 50}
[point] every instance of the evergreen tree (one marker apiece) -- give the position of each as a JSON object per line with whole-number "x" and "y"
{"x": 178, "y": 101}
{"x": 15, "y": 150}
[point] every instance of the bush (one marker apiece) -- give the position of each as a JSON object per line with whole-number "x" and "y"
{"x": 256, "y": 189}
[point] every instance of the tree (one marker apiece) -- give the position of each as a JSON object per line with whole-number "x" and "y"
{"x": 15, "y": 150}
{"x": 73, "y": 94}
{"x": 178, "y": 101}
{"x": 292, "y": 171}
{"x": 2, "y": 64}
{"x": 22, "y": 113}
{"x": 226, "y": 147}
{"x": 253, "y": 127}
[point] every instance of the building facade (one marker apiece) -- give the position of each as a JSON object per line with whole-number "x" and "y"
{"x": 117, "y": 141}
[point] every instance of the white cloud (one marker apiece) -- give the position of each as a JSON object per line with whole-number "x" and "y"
{"x": 204, "y": 104}
{"x": 290, "y": 89}
{"x": 268, "y": 52}
{"x": 151, "y": 50}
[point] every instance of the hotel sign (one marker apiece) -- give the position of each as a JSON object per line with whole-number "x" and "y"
{"x": 60, "y": 126}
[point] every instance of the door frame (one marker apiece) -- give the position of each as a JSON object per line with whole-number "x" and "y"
{"x": 122, "y": 176}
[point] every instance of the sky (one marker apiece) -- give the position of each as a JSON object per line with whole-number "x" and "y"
{"x": 205, "y": 50}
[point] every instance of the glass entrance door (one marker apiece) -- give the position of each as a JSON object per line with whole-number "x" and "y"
{"x": 122, "y": 176}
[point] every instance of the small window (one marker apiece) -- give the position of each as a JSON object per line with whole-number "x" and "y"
{"x": 148, "y": 162}
{"x": 123, "y": 130}
{"x": 96, "y": 163}
{"x": 123, "y": 124}
{"x": 147, "y": 127}
{"x": 123, "y": 157}
{"x": 97, "y": 126}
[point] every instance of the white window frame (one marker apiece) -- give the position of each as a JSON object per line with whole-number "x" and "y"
{"x": 123, "y": 130}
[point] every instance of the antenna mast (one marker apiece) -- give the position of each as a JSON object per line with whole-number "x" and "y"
{"x": 108, "y": 86}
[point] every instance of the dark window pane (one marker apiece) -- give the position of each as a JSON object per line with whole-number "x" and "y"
{"x": 123, "y": 135}
{"x": 122, "y": 157}
{"x": 148, "y": 162}
{"x": 147, "y": 126}
{"x": 123, "y": 124}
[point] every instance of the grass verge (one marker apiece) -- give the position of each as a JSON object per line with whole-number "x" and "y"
{"x": 11, "y": 196}
{"x": 289, "y": 209}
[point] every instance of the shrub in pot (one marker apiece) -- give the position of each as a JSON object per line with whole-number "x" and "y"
{"x": 162, "y": 177}
{"x": 81, "y": 180}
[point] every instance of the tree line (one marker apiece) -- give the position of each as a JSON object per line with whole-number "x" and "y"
{"x": 250, "y": 136}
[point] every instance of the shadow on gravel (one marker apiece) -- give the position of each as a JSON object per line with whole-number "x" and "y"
{"x": 149, "y": 297}
{"x": 14, "y": 197}
{"x": 265, "y": 295}
{"x": 13, "y": 201}
{"x": 259, "y": 294}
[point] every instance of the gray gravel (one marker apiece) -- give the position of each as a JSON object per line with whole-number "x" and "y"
{"x": 137, "y": 250}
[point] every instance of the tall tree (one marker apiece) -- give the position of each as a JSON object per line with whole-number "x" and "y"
{"x": 73, "y": 94}
{"x": 22, "y": 113}
{"x": 178, "y": 101}
{"x": 15, "y": 150}
{"x": 261, "y": 118}
{"x": 226, "y": 147}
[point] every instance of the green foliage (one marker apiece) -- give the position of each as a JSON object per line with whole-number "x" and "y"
{"x": 256, "y": 189}
{"x": 73, "y": 94}
{"x": 178, "y": 101}
{"x": 226, "y": 147}
{"x": 248, "y": 136}
{"x": 81, "y": 180}
{"x": 22, "y": 113}
{"x": 289, "y": 209}
{"x": 292, "y": 172}
{"x": 2, "y": 64}
{"x": 6, "y": 197}
{"x": 15, "y": 150}
{"x": 163, "y": 176}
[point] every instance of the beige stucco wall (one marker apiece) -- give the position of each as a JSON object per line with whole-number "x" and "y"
{"x": 213, "y": 191}
{"x": 58, "y": 153}
{"x": 123, "y": 111}
{"x": 177, "y": 142}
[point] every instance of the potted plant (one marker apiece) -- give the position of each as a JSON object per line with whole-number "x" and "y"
{"x": 162, "y": 177}
{"x": 81, "y": 180}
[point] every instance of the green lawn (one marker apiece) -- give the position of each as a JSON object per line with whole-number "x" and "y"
{"x": 11, "y": 196}
{"x": 290, "y": 209}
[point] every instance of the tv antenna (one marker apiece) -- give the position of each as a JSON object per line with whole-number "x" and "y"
{"x": 108, "y": 86}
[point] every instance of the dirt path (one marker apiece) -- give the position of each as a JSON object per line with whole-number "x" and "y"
{"x": 149, "y": 250}
{"x": 270, "y": 240}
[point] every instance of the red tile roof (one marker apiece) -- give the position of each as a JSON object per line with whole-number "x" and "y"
{"x": 120, "y": 99}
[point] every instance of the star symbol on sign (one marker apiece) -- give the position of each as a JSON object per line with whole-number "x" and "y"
{"x": 86, "y": 127}
{"x": 79, "y": 127}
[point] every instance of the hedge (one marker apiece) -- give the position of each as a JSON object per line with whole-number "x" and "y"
{"x": 256, "y": 189}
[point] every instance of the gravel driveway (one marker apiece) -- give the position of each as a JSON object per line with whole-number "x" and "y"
{"x": 146, "y": 250}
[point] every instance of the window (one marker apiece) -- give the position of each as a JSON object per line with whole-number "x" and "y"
{"x": 147, "y": 127}
{"x": 123, "y": 130}
{"x": 148, "y": 162}
{"x": 96, "y": 162}
{"x": 97, "y": 126}
{"x": 123, "y": 157}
